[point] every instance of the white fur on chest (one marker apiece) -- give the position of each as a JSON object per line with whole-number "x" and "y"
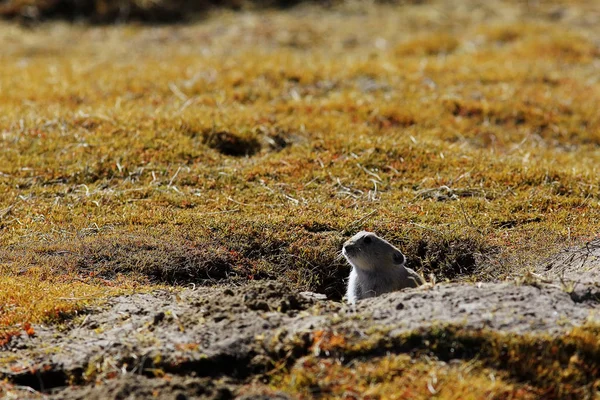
{"x": 364, "y": 284}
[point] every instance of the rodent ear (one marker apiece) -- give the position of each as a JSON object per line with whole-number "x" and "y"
{"x": 399, "y": 258}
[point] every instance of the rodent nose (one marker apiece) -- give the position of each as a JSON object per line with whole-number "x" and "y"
{"x": 349, "y": 246}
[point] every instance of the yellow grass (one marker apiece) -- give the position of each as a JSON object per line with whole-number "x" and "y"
{"x": 29, "y": 297}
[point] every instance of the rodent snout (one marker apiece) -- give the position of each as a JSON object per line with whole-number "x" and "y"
{"x": 349, "y": 243}
{"x": 350, "y": 247}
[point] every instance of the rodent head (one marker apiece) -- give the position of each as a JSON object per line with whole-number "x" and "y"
{"x": 367, "y": 251}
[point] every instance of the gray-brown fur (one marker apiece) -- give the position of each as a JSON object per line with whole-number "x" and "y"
{"x": 377, "y": 267}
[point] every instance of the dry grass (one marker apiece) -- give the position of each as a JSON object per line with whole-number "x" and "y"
{"x": 447, "y": 363}
{"x": 249, "y": 146}
{"x": 26, "y": 296}
{"x": 401, "y": 377}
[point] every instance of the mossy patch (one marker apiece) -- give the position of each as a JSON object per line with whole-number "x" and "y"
{"x": 448, "y": 362}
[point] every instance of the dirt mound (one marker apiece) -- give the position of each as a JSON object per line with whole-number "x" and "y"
{"x": 169, "y": 342}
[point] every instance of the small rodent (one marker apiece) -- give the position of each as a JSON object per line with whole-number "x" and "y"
{"x": 377, "y": 267}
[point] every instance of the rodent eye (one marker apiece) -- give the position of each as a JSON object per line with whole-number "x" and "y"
{"x": 367, "y": 240}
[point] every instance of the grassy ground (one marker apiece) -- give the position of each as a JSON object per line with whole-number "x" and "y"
{"x": 249, "y": 146}
{"x": 481, "y": 365}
